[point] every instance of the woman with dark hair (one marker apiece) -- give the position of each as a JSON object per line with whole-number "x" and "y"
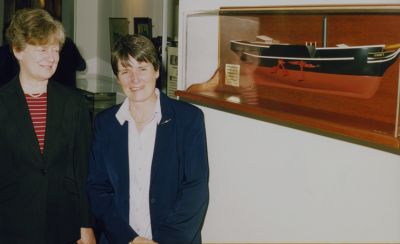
{"x": 148, "y": 169}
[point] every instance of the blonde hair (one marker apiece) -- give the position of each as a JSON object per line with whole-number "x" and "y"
{"x": 34, "y": 27}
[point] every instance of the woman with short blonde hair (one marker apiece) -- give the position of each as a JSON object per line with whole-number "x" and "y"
{"x": 44, "y": 142}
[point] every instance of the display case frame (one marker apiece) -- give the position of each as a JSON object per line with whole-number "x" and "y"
{"x": 242, "y": 77}
{"x": 117, "y": 27}
{"x": 143, "y": 26}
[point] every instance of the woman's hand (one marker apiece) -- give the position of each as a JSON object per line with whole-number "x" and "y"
{"x": 142, "y": 240}
{"x": 87, "y": 236}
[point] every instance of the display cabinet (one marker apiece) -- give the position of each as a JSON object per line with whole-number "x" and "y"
{"x": 98, "y": 93}
{"x": 331, "y": 70}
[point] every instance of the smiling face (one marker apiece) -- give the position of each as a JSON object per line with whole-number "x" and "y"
{"x": 138, "y": 80}
{"x": 35, "y": 38}
{"x": 38, "y": 62}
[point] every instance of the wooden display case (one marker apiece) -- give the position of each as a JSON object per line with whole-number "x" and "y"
{"x": 332, "y": 70}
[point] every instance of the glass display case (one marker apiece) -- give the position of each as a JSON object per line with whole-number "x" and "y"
{"x": 332, "y": 70}
{"x": 98, "y": 93}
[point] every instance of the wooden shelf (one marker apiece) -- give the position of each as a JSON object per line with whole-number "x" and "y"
{"x": 349, "y": 132}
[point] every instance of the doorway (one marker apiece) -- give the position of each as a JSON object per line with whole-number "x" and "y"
{"x": 62, "y": 10}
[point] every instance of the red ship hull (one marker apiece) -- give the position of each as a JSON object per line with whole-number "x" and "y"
{"x": 356, "y": 86}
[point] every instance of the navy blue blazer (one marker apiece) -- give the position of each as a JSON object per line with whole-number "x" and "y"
{"x": 178, "y": 194}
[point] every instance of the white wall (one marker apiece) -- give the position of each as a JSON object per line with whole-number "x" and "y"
{"x": 172, "y": 18}
{"x": 270, "y": 183}
{"x": 92, "y": 27}
{"x": 86, "y": 31}
{"x": 92, "y": 32}
{"x": 68, "y": 17}
{"x": 140, "y": 8}
{"x": 106, "y": 10}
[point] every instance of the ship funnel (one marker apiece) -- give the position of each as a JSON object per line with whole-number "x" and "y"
{"x": 393, "y": 46}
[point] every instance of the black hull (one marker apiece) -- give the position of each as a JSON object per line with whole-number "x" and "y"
{"x": 363, "y": 60}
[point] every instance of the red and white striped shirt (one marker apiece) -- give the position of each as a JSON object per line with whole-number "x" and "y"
{"x": 38, "y": 111}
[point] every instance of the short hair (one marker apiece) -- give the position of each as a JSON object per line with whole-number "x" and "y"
{"x": 136, "y": 46}
{"x": 34, "y": 27}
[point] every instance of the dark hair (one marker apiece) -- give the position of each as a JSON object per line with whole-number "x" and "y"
{"x": 34, "y": 27}
{"x": 136, "y": 46}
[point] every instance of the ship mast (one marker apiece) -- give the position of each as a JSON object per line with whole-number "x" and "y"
{"x": 324, "y": 31}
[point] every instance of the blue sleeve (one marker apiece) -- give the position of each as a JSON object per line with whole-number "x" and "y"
{"x": 184, "y": 223}
{"x": 101, "y": 193}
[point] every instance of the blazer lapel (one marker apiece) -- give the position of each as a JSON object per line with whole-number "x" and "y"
{"x": 54, "y": 120}
{"x": 15, "y": 102}
{"x": 119, "y": 156}
{"x": 164, "y": 133}
{"x": 121, "y": 152}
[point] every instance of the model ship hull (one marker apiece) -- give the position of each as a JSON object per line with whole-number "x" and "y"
{"x": 350, "y": 71}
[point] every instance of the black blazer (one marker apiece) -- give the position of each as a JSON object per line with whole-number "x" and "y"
{"x": 42, "y": 197}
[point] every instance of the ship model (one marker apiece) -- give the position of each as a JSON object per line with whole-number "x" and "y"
{"x": 354, "y": 71}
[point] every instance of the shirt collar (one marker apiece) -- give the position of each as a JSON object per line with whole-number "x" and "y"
{"x": 124, "y": 114}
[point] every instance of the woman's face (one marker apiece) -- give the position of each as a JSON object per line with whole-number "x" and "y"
{"x": 138, "y": 80}
{"x": 38, "y": 62}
